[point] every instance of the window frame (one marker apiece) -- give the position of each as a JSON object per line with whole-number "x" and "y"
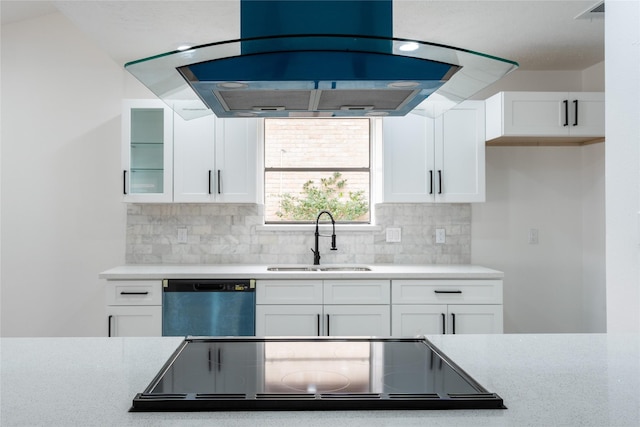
{"x": 370, "y": 170}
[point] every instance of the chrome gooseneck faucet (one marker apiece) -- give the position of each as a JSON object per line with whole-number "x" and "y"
{"x": 316, "y": 252}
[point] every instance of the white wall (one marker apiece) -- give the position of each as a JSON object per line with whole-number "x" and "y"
{"x": 559, "y": 284}
{"x": 622, "y": 57}
{"x": 62, "y": 219}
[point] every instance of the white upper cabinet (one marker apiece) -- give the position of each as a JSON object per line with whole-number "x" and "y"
{"x": 147, "y": 148}
{"x": 205, "y": 160}
{"x": 435, "y": 160}
{"x": 215, "y": 160}
{"x": 236, "y": 160}
{"x": 460, "y": 154}
{"x": 531, "y": 116}
{"x": 194, "y": 159}
{"x": 408, "y": 158}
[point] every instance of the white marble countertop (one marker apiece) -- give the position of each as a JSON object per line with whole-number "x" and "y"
{"x": 247, "y": 271}
{"x": 545, "y": 380}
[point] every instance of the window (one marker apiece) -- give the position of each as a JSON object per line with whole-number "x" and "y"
{"x": 317, "y": 164}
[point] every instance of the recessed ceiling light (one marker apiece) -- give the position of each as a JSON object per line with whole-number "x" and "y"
{"x": 409, "y": 47}
{"x": 232, "y": 85}
{"x": 403, "y": 85}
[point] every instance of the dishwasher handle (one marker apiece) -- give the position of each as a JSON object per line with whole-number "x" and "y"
{"x": 209, "y": 285}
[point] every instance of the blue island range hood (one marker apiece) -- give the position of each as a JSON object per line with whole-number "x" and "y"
{"x": 316, "y": 59}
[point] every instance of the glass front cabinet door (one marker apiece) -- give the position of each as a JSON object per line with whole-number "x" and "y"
{"x": 147, "y": 135}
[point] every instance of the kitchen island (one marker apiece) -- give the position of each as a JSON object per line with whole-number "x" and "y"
{"x": 545, "y": 380}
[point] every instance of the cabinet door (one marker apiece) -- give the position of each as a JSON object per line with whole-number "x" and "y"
{"x": 357, "y": 320}
{"x": 536, "y": 113}
{"x": 460, "y": 154}
{"x": 288, "y": 320}
{"x": 147, "y": 151}
{"x": 194, "y": 161}
{"x": 235, "y": 174}
{"x": 134, "y": 321}
{"x": 586, "y": 113}
{"x": 475, "y": 319}
{"x": 415, "y": 320}
{"x": 289, "y": 292}
{"x": 408, "y": 166}
{"x": 357, "y": 291}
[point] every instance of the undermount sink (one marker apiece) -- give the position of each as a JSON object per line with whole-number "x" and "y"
{"x": 318, "y": 268}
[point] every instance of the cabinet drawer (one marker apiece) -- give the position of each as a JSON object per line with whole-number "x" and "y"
{"x": 134, "y": 292}
{"x": 357, "y": 291}
{"x": 289, "y": 292}
{"x": 446, "y": 292}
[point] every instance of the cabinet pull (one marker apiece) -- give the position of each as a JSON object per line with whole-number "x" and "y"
{"x": 209, "y": 181}
{"x": 566, "y": 112}
{"x": 439, "y": 182}
{"x": 109, "y": 325}
{"x": 444, "y": 319}
{"x": 437, "y": 291}
{"x": 431, "y": 182}
{"x": 124, "y": 182}
{"x": 575, "y": 111}
{"x": 453, "y": 322}
{"x": 134, "y": 293}
{"x": 219, "y": 185}
{"x": 318, "y": 324}
{"x": 328, "y": 329}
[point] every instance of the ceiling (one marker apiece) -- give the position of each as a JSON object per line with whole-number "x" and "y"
{"x": 539, "y": 35}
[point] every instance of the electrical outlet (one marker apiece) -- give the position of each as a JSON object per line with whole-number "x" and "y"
{"x": 533, "y": 236}
{"x": 182, "y": 235}
{"x": 394, "y": 235}
{"x": 440, "y": 236}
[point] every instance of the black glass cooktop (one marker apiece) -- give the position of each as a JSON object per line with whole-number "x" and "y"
{"x": 249, "y": 373}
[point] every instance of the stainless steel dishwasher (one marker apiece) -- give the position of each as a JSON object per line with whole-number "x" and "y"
{"x": 208, "y": 307}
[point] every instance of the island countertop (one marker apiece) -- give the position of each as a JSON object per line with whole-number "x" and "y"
{"x": 545, "y": 380}
{"x": 248, "y": 271}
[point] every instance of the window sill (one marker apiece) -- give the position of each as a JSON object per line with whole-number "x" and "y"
{"x": 365, "y": 228}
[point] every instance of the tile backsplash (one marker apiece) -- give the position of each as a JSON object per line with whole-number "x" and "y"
{"x": 236, "y": 234}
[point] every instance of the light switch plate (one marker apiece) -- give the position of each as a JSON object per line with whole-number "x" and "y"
{"x": 394, "y": 235}
{"x": 440, "y": 236}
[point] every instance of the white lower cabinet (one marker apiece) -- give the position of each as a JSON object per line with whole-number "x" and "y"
{"x": 429, "y": 307}
{"x": 134, "y": 308}
{"x": 134, "y": 321}
{"x": 288, "y": 320}
{"x": 357, "y": 320}
{"x": 413, "y": 320}
{"x": 322, "y": 308}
